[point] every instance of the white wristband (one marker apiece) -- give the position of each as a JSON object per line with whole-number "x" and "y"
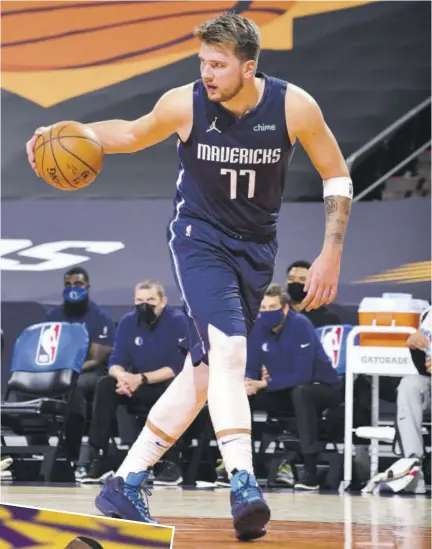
{"x": 338, "y": 186}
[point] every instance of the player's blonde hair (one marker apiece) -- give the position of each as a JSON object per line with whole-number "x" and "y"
{"x": 232, "y": 29}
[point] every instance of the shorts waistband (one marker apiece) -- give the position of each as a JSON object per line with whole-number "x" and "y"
{"x": 256, "y": 238}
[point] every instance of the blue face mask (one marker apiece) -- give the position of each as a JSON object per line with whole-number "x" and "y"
{"x": 270, "y": 319}
{"x": 72, "y": 294}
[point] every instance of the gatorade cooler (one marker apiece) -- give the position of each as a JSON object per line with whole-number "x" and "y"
{"x": 389, "y": 310}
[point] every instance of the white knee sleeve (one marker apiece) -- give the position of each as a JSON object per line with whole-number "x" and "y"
{"x": 182, "y": 401}
{"x": 228, "y": 402}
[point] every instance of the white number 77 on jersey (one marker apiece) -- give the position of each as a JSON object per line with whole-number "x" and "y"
{"x": 233, "y": 181}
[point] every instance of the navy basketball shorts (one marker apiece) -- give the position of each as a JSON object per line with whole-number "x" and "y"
{"x": 222, "y": 279}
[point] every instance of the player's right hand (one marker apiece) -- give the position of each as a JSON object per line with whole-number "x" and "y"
{"x": 30, "y": 145}
{"x": 322, "y": 281}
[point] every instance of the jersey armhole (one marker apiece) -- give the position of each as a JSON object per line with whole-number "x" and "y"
{"x": 285, "y": 97}
{"x": 189, "y": 140}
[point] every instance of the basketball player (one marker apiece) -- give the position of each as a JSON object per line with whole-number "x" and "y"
{"x": 236, "y": 132}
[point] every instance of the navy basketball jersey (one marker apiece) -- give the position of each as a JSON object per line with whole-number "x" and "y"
{"x": 232, "y": 171}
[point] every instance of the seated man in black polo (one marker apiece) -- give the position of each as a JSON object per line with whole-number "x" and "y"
{"x": 78, "y": 307}
{"x": 145, "y": 358}
{"x": 300, "y": 376}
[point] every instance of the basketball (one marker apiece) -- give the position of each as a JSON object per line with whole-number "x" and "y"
{"x": 68, "y": 156}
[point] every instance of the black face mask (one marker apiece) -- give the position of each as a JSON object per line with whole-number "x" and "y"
{"x": 76, "y": 309}
{"x": 296, "y": 291}
{"x": 146, "y": 313}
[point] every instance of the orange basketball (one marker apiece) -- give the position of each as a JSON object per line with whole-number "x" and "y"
{"x": 68, "y": 156}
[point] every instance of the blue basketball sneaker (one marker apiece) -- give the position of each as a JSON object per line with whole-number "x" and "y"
{"x": 249, "y": 510}
{"x": 126, "y": 499}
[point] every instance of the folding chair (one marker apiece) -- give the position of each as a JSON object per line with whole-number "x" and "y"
{"x": 46, "y": 363}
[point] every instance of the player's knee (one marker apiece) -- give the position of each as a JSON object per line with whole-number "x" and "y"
{"x": 229, "y": 350}
{"x": 236, "y": 352}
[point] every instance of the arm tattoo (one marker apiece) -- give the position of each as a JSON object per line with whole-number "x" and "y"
{"x": 330, "y": 205}
{"x": 337, "y": 214}
{"x": 337, "y": 237}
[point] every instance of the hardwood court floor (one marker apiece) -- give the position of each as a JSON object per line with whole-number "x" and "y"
{"x": 300, "y": 521}
{"x": 217, "y": 534}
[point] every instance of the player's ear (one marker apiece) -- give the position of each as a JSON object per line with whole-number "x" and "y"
{"x": 249, "y": 69}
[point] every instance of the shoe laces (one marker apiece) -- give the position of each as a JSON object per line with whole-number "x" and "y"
{"x": 139, "y": 498}
{"x": 246, "y": 491}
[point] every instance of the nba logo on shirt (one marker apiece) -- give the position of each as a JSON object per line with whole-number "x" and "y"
{"x": 331, "y": 339}
{"x": 48, "y": 345}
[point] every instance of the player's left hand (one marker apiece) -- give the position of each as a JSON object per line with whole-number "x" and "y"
{"x": 322, "y": 281}
{"x": 428, "y": 365}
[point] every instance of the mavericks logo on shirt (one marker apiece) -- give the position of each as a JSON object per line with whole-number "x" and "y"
{"x": 235, "y": 155}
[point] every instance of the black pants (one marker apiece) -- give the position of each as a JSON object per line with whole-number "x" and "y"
{"x": 77, "y": 419}
{"x": 306, "y": 402}
{"x": 106, "y": 401}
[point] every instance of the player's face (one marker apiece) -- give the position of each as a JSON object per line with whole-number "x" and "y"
{"x": 151, "y": 296}
{"x": 222, "y": 72}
